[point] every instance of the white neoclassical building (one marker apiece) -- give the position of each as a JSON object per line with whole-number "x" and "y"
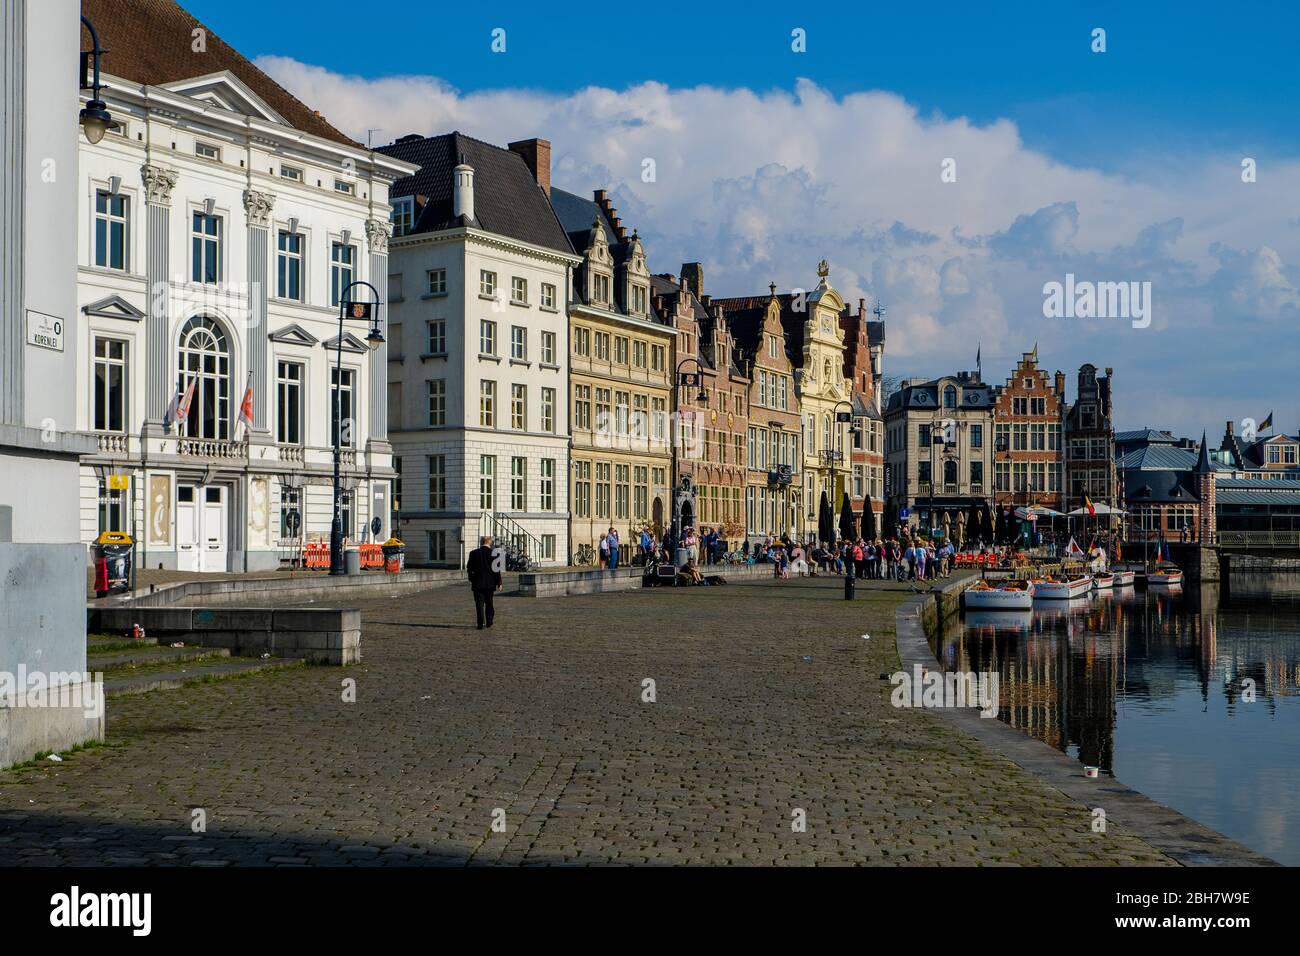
{"x": 218, "y": 227}
{"x": 479, "y": 278}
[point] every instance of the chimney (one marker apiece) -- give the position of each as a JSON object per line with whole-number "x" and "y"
{"x": 693, "y": 276}
{"x": 1060, "y": 383}
{"x": 537, "y": 154}
{"x": 462, "y": 194}
{"x": 1229, "y": 423}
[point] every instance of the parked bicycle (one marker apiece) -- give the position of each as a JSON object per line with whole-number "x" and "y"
{"x": 586, "y": 556}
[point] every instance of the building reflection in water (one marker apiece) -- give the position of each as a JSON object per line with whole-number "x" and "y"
{"x": 1067, "y": 668}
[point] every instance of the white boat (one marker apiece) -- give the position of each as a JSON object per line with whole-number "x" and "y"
{"x": 1103, "y": 580}
{"x": 1165, "y": 577}
{"x": 1062, "y": 590}
{"x": 1123, "y": 579}
{"x": 1000, "y": 596}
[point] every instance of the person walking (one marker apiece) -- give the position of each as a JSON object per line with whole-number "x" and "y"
{"x": 484, "y": 580}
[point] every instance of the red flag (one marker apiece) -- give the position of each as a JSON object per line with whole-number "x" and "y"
{"x": 183, "y": 407}
{"x": 1087, "y": 503}
{"x": 246, "y": 406}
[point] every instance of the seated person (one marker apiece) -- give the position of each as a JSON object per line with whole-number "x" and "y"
{"x": 689, "y": 574}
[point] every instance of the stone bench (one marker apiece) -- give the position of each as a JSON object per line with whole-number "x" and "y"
{"x": 318, "y": 635}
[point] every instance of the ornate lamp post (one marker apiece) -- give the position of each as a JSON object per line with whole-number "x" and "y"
{"x": 95, "y": 118}
{"x": 359, "y": 312}
{"x": 685, "y": 380}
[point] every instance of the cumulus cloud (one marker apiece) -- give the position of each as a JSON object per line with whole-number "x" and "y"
{"x": 760, "y": 185}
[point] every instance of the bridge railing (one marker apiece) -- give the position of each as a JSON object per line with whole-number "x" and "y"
{"x": 1259, "y": 539}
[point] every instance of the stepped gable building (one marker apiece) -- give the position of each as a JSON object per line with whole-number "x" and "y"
{"x": 620, "y": 377}
{"x": 1028, "y": 416}
{"x": 712, "y": 415}
{"x": 478, "y": 287}
{"x": 864, "y": 351}
{"x": 814, "y": 343}
{"x": 773, "y": 459}
{"x": 219, "y": 225}
{"x": 1090, "y": 467}
{"x": 1263, "y": 458}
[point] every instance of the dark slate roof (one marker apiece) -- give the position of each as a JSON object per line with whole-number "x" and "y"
{"x": 1258, "y": 484}
{"x": 792, "y": 322}
{"x": 507, "y": 200}
{"x": 927, "y": 395}
{"x": 1159, "y": 487}
{"x": 151, "y": 42}
{"x": 1225, "y": 494}
{"x": 1149, "y": 435}
{"x": 576, "y": 216}
{"x": 1158, "y": 458}
{"x": 876, "y": 333}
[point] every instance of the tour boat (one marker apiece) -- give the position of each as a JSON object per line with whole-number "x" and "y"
{"x": 1167, "y": 576}
{"x": 1123, "y": 579}
{"x": 1000, "y": 595}
{"x": 1062, "y": 590}
{"x": 1103, "y": 580}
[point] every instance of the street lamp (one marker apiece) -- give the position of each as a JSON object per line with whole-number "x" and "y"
{"x": 685, "y": 380}
{"x": 842, "y": 418}
{"x": 355, "y": 311}
{"x": 95, "y": 118}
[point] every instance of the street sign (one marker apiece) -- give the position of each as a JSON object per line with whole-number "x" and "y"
{"x": 376, "y": 525}
{"x": 903, "y": 512}
{"x": 44, "y": 331}
{"x": 293, "y": 520}
{"x": 119, "y": 482}
{"x": 359, "y": 310}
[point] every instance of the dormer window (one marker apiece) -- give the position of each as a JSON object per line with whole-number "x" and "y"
{"x": 600, "y": 288}
{"x": 638, "y": 299}
{"x": 403, "y": 215}
{"x": 949, "y": 397}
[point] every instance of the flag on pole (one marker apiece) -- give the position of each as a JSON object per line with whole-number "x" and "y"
{"x": 246, "y": 407}
{"x": 179, "y": 409}
{"x": 1267, "y": 422}
{"x": 1073, "y": 549}
{"x": 1087, "y": 503}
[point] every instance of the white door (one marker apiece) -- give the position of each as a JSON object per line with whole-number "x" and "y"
{"x": 188, "y": 556}
{"x": 201, "y": 527}
{"x": 214, "y": 528}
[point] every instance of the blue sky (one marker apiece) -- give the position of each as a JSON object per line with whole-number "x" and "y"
{"x": 1121, "y": 166}
{"x": 1210, "y": 73}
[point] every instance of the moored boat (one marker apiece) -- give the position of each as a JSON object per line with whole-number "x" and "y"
{"x": 1123, "y": 579}
{"x": 1000, "y": 595}
{"x": 1103, "y": 580}
{"x": 1167, "y": 576}
{"x": 1061, "y": 589}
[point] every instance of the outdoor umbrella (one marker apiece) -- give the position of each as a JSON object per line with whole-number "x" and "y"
{"x": 974, "y": 526}
{"x": 986, "y": 527}
{"x": 868, "y": 522}
{"x": 825, "y": 520}
{"x": 891, "y": 523}
{"x": 846, "y": 520}
{"x": 1003, "y": 529}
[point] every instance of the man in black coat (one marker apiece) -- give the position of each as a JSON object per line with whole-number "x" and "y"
{"x": 484, "y": 579}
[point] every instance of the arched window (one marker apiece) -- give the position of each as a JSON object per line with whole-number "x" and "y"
{"x": 950, "y": 397}
{"x": 205, "y": 361}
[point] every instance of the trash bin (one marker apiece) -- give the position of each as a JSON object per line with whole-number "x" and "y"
{"x": 112, "y": 552}
{"x": 394, "y": 556}
{"x": 352, "y": 560}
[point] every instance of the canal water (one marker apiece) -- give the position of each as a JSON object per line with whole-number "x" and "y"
{"x": 1192, "y": 696}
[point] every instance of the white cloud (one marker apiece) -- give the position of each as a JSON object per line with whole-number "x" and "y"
{"x": 760, "y": 185}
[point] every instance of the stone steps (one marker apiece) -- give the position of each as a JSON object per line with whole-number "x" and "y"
{"x": 115, "y": 660}
{"x": 123, "y": 682}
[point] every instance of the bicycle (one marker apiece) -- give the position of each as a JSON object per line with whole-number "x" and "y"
{"x": 586, "y": 556}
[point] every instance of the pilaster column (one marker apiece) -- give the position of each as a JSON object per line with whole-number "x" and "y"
{"x": 158, "y": 185}
{"x": 257, "y": 209}
{"x": 377, "y": 239}
{"x": 13, "y": 340}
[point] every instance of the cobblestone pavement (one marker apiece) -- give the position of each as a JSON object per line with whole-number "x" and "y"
{"x": 767, "y": 700}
